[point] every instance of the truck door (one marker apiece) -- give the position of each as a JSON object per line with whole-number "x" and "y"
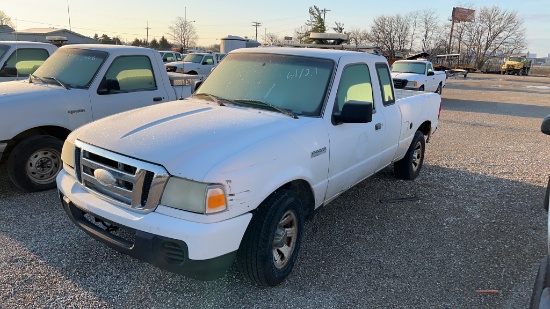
{"x": 207, "y": 65}
{"x": 431, "y": 82}
{"x": 354, "y": 147}
{"x": 129, "y": 83}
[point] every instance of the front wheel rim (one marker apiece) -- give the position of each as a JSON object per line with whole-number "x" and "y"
{"x": 284, "y": 241}
{"x": 43, "y": 165}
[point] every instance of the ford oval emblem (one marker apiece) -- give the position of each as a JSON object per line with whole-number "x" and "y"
{"x": 104, "y": 177}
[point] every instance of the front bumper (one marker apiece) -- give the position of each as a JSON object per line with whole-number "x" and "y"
{"x": 199, "y": 250}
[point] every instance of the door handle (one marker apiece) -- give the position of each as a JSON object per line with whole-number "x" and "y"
{"x": 378, "y": 126}
{"x": 156, "y": 99}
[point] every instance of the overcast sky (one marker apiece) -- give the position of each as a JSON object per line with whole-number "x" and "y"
{"x": 215, "y": 19}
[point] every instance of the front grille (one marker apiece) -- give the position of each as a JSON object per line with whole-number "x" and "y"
{"x": 170, "y": 68}
{"x": 399, "y": 83}
{"x": 125, "y": 181}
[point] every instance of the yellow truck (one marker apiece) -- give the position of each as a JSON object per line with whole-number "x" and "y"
{"x": 513, "y": 65}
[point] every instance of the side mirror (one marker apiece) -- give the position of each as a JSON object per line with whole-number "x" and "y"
{"x": 354, "y": 112}
{"x": 196, "y": 86}
{"x": 431, "y": 73}
{"x": 107, "y": 86}
{"x": 8, "y": 72}
{"x": 545, "y": 126}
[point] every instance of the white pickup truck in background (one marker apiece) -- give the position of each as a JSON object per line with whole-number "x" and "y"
{"x": 271, "y": 136}
{"x": 196, "y": 64}
{"x": 417, "y": 75}
{"x": 18, "y": 59}
{"x": 76, "y": 85}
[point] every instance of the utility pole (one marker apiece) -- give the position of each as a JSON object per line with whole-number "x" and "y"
{"x": 324, "y": 17}
{"x": 256, "y": 24}
{"x": 147, "y": 28}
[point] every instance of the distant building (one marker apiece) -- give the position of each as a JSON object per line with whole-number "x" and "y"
{"x": 41, "y": 34}
{"x": 5, "y": 29}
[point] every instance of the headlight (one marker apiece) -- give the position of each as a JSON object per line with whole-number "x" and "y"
{"x": 67, "y": 153}
{"x": 194, "y": 196}
{"x": 412, "y": 84}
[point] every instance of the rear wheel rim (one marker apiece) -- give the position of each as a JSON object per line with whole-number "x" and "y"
{"x": 43, "y": 165}
{"x": 417, "y": 156}
{"x": 284, "y": 241}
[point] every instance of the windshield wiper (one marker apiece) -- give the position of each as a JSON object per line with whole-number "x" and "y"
{"x": 37, "y": 77}
{"x": 275, "y": 107}
{"x": 213, "y": 97}
{"x": 62, "y": 84}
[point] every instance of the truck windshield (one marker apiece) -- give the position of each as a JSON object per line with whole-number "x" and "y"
{"x": 3, "y": 49}
{"x": 72, "y": 67}
{"x": 193, "y": 58}
{"x": 516, "y": 59}
{"x": 408, "y": 67}
{"x": 294, "y": 83}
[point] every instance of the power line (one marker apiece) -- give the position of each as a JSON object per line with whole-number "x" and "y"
{"x": 256, "y": 24}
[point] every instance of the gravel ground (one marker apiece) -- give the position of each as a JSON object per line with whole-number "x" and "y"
{"x": 474, "y": 221}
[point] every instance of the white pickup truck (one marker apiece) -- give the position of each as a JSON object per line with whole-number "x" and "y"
{"x": 18, "y": 59}
{"x": 76, "y": 85}
{"x": 195, "y": 64}
{"x": 233, "y": 172}
{"x": 417, "y": 75}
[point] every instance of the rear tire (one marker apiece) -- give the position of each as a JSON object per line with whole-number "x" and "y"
{"x": 409, "y": 167}
{"x": 272, "y": 240}
{"x": 35, "y": 162}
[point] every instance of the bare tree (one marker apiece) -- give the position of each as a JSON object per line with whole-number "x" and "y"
{"x": 5, "y": 19}
{"x": 390, "y": 33}
{"x": 183, "y": 32}
{"x": 272, "y": 39}
{"x": 358, "y": 37}
{"x": 494, "y": 32}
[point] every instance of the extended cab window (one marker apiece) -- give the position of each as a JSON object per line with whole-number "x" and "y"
{"x": 208, "y": 60}
{"x": 27, "y": 60}
{"x": 355, "y": 85}
{"x": 386, "y": 88}
{"x": 128, "y": 73}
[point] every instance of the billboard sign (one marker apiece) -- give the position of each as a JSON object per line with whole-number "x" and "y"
{"x": 462, "y": 14}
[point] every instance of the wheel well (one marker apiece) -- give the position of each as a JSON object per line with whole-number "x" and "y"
{"x": 305, "y": 193}
{"x": 425, "y": 128}
{"x": 58, "y": 132}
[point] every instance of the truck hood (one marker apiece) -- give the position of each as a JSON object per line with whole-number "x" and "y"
{"x": 188, "y": 137}
{"x": 24, "y": 90}
{"x": 408, "y": 76}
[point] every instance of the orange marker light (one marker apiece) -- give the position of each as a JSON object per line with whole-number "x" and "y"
{"x": 215, "y": 200}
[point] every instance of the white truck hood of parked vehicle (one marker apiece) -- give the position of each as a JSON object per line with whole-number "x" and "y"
{"x": 24, "y": 90}
{"x": 189, "y": 138}
{"x": 408, "y": 76}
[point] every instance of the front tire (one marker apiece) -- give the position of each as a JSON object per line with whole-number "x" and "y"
{"x": 409, "y": 167}
{"x": 421, "y": 88}
{"x": 439, "y": 89}
{"x": 271, "y": 243}
{"x": 35, "y": 162}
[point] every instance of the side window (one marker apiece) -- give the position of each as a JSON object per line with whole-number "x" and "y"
{"x": 355, "y": 85}
{"x": 178, "y": 57}
{"x": 128, "y": 73}
{"x": 208, "y": 60}
{"x": 430, "y": 68}
{"x": 384, "y": 77}
{"x": 27, "y": 60}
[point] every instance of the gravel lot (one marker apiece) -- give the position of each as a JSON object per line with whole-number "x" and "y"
{"x": 475, "y": 221}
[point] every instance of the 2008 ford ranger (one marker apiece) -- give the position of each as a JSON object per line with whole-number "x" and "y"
{"x": 235, "y": 171}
